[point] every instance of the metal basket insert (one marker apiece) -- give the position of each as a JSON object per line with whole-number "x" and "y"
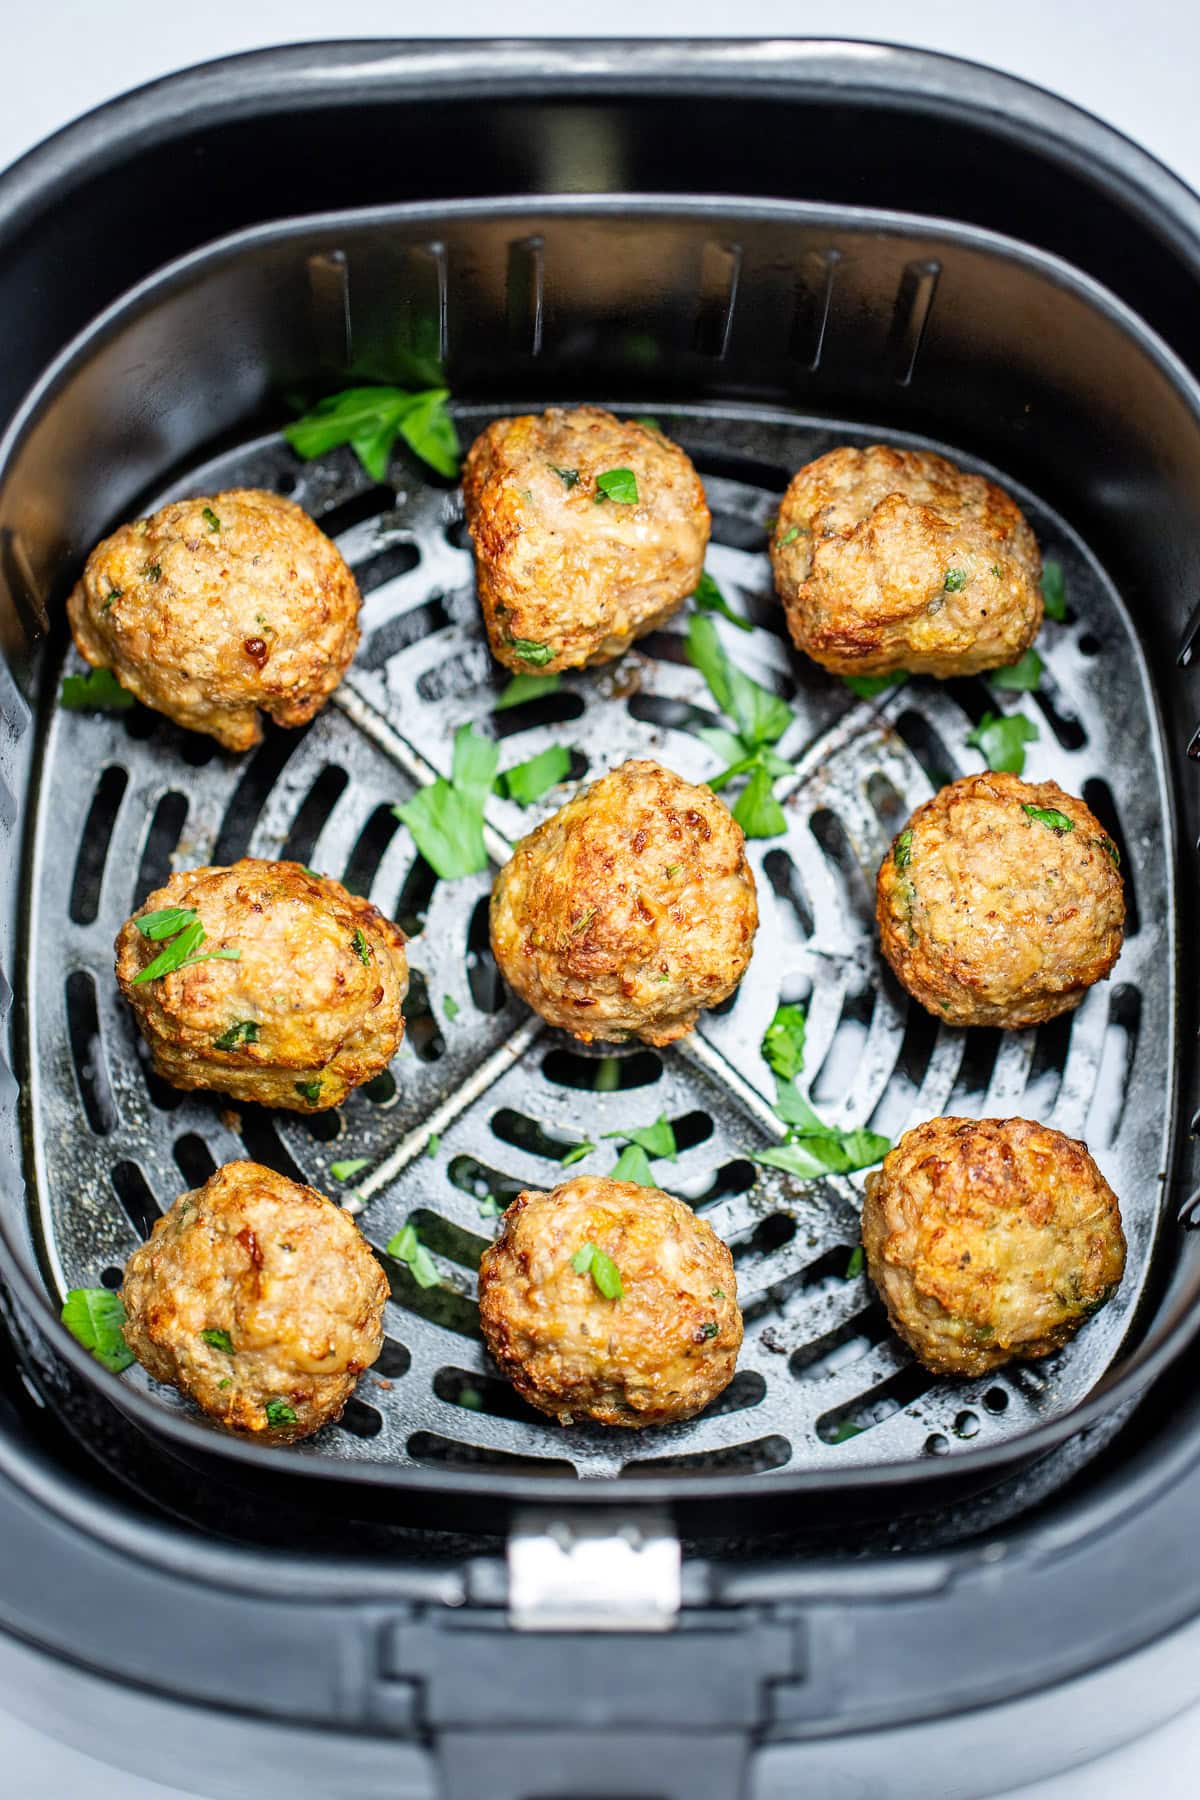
{"x": 821, "y": 1382}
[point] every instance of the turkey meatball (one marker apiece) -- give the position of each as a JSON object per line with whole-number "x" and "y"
{"x": 278, "y": 985}
{"x": 895, "y": 559}
{"x": 259, "y": 1300}
{"x": 989, "y": 1239}
{"x": 589, "y": 531}
{"x": 608, "y": 1301}
{"x": 629, "y": 910}
{"x": 216, "y": 610}
{"x": 1000, "y": 903}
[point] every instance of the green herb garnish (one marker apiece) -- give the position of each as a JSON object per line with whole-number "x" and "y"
{"x": 347, "y": 1170}
{"x": 530, "y": 651}
{"x": 95, "y": 1317}
{"x": 589, "y": 1259}
{"x": 153, "y": 571}
{"x": 583, "y": 921}
{"x": 279, "y": 1413}
{"x": 407, "y": 1248}
{"x": 113, "y": 594}
{"x": 761, "y": 718}
{"x": 855, "y": 1265}
{"x": 902, "y": 849}
{"x": 490, "y": 1207}
{"x": 575, "y": 1154}
{"x": 360, "y": 946}
{"x": 446, "y": 818}
{"x": 956, "y": 580}
{"x": 783, "y": 1041}
{"x": 370, "y": 419}
{"x": 708, "y": 1331}
{"x": 633, "y": 1165}
{"x": 650, "y": 423}
{"x": 1053, "y": 821}
{"x": 814, "y": 1148}
{"x": 181, "y": 950}
{"x": 619, "y": 485}
{"x": 434, "y": 1144}
{"x": 656, "y": 1140}
{"x": 867, "y": 686}
{"x": 245, "y": 1031}
{"x": 210, "y": 519}
{"x": 789, "y": 536}
{"x": 529, "y": 781}
{"x": 757, "y": 810}
{"x": 165, "y": 921}
{"x": 450, "y": 1007}
{"x": 1110, "y": 850}
{"x": 219, "y": 1340}
{"x": 709, "y": 598}
{"x": 97, "y": 691}
{"x": 527, "y": 687}
{"x": 1054, "y": 591}
{"x": 1022, "y": 676}
{"x": 309, "y": 1090}
{"x": 568, "y": 477}
{"x": 1002, "y": 737}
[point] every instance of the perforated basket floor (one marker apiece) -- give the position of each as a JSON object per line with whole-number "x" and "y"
{"x": 821, "y": 1381}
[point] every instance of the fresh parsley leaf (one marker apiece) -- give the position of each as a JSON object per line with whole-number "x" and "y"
{"x": 708, "y": 1330}
{"x": 245, "y": 1031}
{"x": 527, "y": 687}
{"x": 370, "y": 419}
{"x": 450, "y": 1007}
{"x": 855, "y": 1265}
{"x": 837, "y": 1154}
{"x": 434, "y": 1144}
{"x": 656, "y": 1140}
{"x": 219, "y": 1340}
{"x": 651, "y": 424}
{"x": 757, "y": 810}
{"x": 589, "y": 1259}
{"x": 789, "y": 536}
{"x": 867, "y": 686}
{"x": 902, "y": 849}
{"x": 956, "y": 581}
{"x": 178, "y": 951}
{"x": 1053, "y": 820}
{"x": 407, "y": 1248}
{"x": 619, "y": 485}
{"x": 845, "y": 1432}
{"x": 530, "y": 651}
{"x": 153, "y": 571}
{"x": 279, "y": 1413}
{"x": 446, "y": 818}
{"x": 1022, "y": 676}
{"x": 112, "y": 594}
{"x": 1001, "y": 738}
{"x": 575, "y": 1154}
{"x": 210, "y": 519}
{"x": 347, "y": 1170}
{"x": 97, "y": 691}
{"x": 308, "y": 1090}
{"x": 725, "y": 744}
{"x": 633, "y": 1165}
{"x": 1110, "y": 850}
{"x": 165, "y": 922}
{"x": 1054, "y": 591}
{"x": 783, "y": 1041}
{"x": 360, "y": 946}
{"x": 490, "y": 1207}
{"x": 529, "y": 781}
{"x": 94, "y": 1317}
{"x": 709, "y": 598}
{"x": 761, "y": 717}
{"x": 568, "y": 477}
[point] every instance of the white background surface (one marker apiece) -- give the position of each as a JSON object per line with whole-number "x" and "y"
{"x": 1135, "y": 67}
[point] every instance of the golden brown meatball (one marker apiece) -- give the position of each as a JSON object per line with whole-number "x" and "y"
{"x": 295, "y": 992}
{"x": 259, "y": 1299}
{"x": 213, "y": 609}
{"x": 568, "y": 575}
{"x": 1000, "y": 903}
{"x": 895, "y": 559}
{"x": 660, "y": 1351}
{"x": 629, "y": 910}
{"x": 989, "y": 1239}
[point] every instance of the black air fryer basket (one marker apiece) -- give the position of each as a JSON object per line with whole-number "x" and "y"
{"x": 887, "y": 1583}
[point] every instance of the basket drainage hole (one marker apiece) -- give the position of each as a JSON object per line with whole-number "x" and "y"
{"x": 194, "y": 1159}
{"x": 937, "y": 1444}
{"x": 996, "y": 1400}
{"x": 362, "y": 866}
{"x": 93, "y": 846}
{"x": 874, "y": 1407}
{"x": 483, "y": 977}
{"x": 756, "y": 1458}
{"x": 169, "y": 818}
{"x": 422, "y": 1031}
{"x": 602, "y": 1074}
{"x": 361, "y": 1420}
{"x": 393, "y": 1361}
{"x": 1089, "y": 644}
{"x": 112, "y": 1278}
{"x": 313, "y": 815}
{"x": 87, "y": 1052}
{"x": 382, "y": 1090}
{"x": 483, "y": 1394}
{"x": 431, "y": 1448}
{"x": 767, "y": 1237}
{"x": 133, "y": 1191}
{"x": 966, "y": 1425}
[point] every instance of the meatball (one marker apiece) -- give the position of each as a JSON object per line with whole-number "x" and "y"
{"x": 989, "y": 1239}
{"x": 568, "y": 573}
{"x": 287, "y": 989}
{"x": 660, "y": 1350}
{"x": 1000, "y": 903}
{"x": 894, "y": 559}
{"x": 214, "y": 609}
{"x": 629, "y": 910}
{"x": 258, "y": 1299}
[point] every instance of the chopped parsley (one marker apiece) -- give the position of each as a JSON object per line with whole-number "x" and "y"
{"x": 1022, "y": 676}
{"x": 783, "y": 1041}
{"x": 789, "y": 536}
{"x": 867, "y": 686}
{"x": 450, "y": 1007}
{"x": 583, "y": 921}
{"x": 153, "y": 571}
{"x": 756, "y": 809}
{"x": 95, "y": 1317}
{"x": 407, "y": 1248}
{"x": 530, "y": 651}
{"x": 360, "y": 946}
{"x": 279, "y": 1413}
{"x": 650, "y": 424}
{"x": 309, "y": 1090}
{"x": 1001, "y": 738}
{"x": 1053, "y": 820}
{"x": 656, "y": 1140}
{"x": 527, "y": 687}
{"x": 708, "y": 1330}
{"x": 956, "y": 580}
{"x": 568, "y": 477}
{"x": 709, "y": 598}
{"x": 97, "y": 691}
{"x": 812, "y": 1147}
{"x": 855, "y": 1265}
{"x": 490, "y": 1207}
{"x": 347, "y": 1170}
{"x": 210, "y": 519}
{"x": 717, "y": 1294}
{"x": 576, "y": 1153}
{"x": 672, "y": 871}
{"x": 434, "y": 1144}
{"x": 633, "y": 1165}
{"x": 529, "y": 781}
{"x": 902, "y": 849}
{"x": 370, "y": 419}
{"x": 184, "y": 934}
{"x": 245, "y": 1031}
{"x": 219, "y": 1340}
{"x": 113, "y": 594}
{"x": 1110, "y": 850}
{"x": 165, "y": 921}
{"x": 1054, "y": 591}
{"x": 619, "y": 485}
{"x": 589, "y": 1259}
{"x": 446, "y": 818}
{"x": 761, "y": 719}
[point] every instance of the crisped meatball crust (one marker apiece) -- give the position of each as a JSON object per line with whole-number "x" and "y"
{"x": 895, "y": 559}
{"x": 566, "y": 574}
{"x": 629, "y": 910}
{"x": 215, "y": 609}
{"x": 989, "y": 1239}
{"x": 259, "y": 1299}
{"x": 1000, "y": 903}
{"x": 661, "y": 1352}
{"x": 310, "y": 1008}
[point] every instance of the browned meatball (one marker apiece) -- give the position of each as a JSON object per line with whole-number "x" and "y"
{"x": 295, "y": 992}
{"x": 661, "y": 1350}
{"x": 895, "y": 559}
{"x": 629, "y": 910}
{"x": 1000, "y": 903}
{"x": 259, "y": 1299}
{"x": 215, "y": 608}
{"x": 989, "y": 1239}
{"x": 568, "y": 575}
